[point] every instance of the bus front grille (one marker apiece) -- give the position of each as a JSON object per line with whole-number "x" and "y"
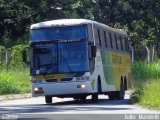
{"x": 59, "y": 80}
{"x": 66, "y": 79}
{"x": 51, "y": 80}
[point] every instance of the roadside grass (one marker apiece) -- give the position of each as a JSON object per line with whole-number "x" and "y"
{"x": 151, "y": 94}
{"x": 14, "y": 81}
{"x": 146, "y": 82}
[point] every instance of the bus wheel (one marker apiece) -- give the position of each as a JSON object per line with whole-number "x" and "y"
{"x": 80, "y": 98}
{"x": 121, "y": 93}
{"x": 48, "y": 99}
{"x": 95, "y": 97}
{"x": 112, "y": 97}
{"x": 75, "y": 98}
{"x": 83, "y": 97}
{"x": 99, "y": 90}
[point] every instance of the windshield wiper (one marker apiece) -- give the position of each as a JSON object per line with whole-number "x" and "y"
{"x": 48, "y": 67}
{"x": 69, "y": 68}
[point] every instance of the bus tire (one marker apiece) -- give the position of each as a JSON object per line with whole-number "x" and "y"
{"x": 112, "y": 97}
{"x": 121, "y": 93}
{"x": 99, "y": 90}
{"x": 75, "y": 98}
{"x": 99, "y": 87}
{"x": 95, "y": 97}
{"x": 83, "y": 97}
{"x": 48, "y": 99}
{"x": 80, "y": 98}
{"x": 125, "y": 83}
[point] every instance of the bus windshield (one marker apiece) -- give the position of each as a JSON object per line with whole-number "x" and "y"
{"x": 66, "y": 52}
{"x": 73, "y": 57}
{"x": 66, "y": 57}
{"x": 45, "y": 59}
{"x": 59, "y": 33}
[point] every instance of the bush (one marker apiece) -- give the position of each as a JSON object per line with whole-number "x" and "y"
{"x": 2, "y": 56}
{"x": 16, "y": 56}
{"x": 146, "y": 80}
{"x": 14, "y": 82}
{"x": 14, "y": 76}
{"x": 7, "y": 85}
{"x": 151, "y": 94}
{"x": 143, "y": 72}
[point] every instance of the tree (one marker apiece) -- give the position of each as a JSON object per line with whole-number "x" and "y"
{"x": 13, "y": 20}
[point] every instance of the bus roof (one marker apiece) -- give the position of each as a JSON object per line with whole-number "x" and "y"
{"x": 73, "y": 22}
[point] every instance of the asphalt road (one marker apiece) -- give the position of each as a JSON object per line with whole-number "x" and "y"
{"x": 37, "y": 107}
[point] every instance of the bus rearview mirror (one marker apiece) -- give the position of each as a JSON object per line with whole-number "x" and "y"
{"x": 93, "y": 51}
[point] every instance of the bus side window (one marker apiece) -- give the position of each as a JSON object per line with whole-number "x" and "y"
{"x": 110, "y": 38}
{"x": 91, "y": 60}
{"x": 96, "y": 37}
{"x": 99, "y": 37}
{"x": 116, "y": 44}
{"x": 105, "y": 38}
{"x": 90, "y": 33}
{"x": 127, "y": 45}
{"x": 120, "y": 38}
{"x": 119, "y": 43}
{"x": 124, "y": 44}
{"x": 113, "y": 41}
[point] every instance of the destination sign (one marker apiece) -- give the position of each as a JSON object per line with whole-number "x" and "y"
{"x": 44, "y": 44}
{"x": 64, "y": 41}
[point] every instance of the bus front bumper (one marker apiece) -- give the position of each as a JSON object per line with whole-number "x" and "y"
{"x": 61, "y": 88}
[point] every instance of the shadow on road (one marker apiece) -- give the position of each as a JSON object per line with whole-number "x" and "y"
{"x": 88, "y": 102}
{"x": 67, "y": 106}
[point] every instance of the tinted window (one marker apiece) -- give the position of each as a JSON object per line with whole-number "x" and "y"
{"x": 121, "y": 42}
{"x": 116, "y": 44}
{"x": 90, "y": 33}
{"x": 99, "y": 37}
{"x": 58, "y": 33}
{"x": 105, "y": 38}
{"x": 73, "y": 57}
{"x": 110, "y": 38}
{"x": 113, "y": 41}
{"x": 124, "y": 44}
{"x": 103, "y": 44}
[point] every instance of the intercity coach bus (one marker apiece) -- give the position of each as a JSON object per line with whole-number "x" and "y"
{"x": 78, "y": 58}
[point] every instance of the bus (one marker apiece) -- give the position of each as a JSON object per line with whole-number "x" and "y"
{"x": 78, "y": 58}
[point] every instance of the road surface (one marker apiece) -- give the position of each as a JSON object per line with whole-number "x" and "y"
{"x": 69, "y": 106}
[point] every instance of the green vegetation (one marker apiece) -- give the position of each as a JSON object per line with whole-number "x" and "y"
{"x": 151, "y": 94}
{"x": 146, "y": 80}
{"x": 14, "y": 82}
{"x": 143, "y": 72}
{"x": 141, "y": 19}
{"x": 14, "y": 75}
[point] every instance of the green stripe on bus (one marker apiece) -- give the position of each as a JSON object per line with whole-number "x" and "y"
{"x": 107, "y": 67}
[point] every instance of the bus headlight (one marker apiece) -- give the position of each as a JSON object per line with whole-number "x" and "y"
{"x": 35, "y": 89}
{"x": 38, "y": 90}
{"x": 81, "y": 86}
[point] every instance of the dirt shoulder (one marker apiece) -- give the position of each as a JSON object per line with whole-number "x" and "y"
{"x": 14, "y": 96}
